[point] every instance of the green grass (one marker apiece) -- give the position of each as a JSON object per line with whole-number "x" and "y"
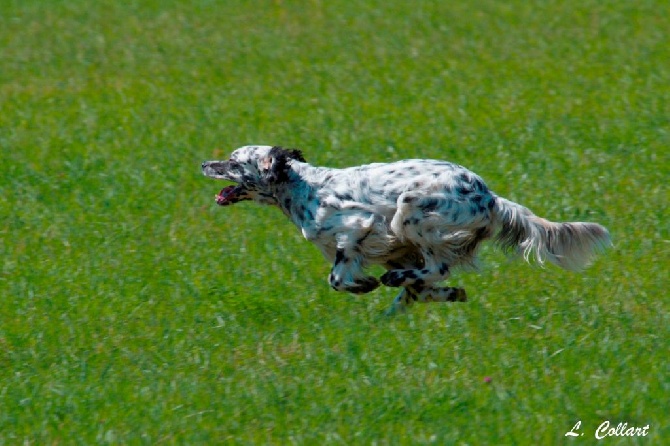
{"x": 133, "y": 310}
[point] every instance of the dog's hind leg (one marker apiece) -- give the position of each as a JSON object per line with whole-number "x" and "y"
{"x": 442, "y": 294}
{"x": 446, "y": 232}
{"x": 432, "y": 271}
{"x": 418, "y": 220}
{"x": 408, "y": 295}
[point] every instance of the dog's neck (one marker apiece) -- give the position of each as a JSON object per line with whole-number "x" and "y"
{"x": 297, "y": 196}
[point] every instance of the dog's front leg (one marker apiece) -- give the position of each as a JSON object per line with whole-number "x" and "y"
{"x": 347, "y": 273}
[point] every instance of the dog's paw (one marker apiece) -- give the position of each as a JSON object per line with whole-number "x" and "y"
{"x": 357, "y": 286}
{"x": 398, "y": 277}
{"x": 364, "y": 285}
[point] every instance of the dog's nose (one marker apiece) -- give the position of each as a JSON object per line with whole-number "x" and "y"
{"x": 204, "y": 164}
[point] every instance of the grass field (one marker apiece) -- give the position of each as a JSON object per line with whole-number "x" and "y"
{"x": 133, "y": 310}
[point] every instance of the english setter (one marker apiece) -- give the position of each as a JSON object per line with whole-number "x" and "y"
{"x": 417, "y": 218}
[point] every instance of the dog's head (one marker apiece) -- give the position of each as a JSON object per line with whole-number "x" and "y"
{"x": 257, "y": 170}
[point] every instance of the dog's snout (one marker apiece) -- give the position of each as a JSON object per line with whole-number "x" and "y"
{"x": 216, "y": 169}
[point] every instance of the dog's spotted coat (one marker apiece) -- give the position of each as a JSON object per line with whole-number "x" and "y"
{"x": 417, "y": 218}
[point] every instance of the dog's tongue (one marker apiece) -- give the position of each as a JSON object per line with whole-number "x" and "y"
{"x": 227, "y": 195}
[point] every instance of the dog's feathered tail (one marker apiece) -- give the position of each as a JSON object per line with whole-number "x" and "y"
{"x": 569, "y": 245}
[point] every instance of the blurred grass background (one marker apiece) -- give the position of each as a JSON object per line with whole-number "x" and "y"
{"x": 133, "y": 310}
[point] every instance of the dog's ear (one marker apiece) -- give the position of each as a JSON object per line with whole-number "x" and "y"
{"x": 296, "y": 155}
{"x": 275, "y": 165}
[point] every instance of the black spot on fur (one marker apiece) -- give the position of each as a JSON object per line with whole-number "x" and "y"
{"x": 340, "y": 257}
{"x": 464, "y": 189}
{"x": 397, "y": 277}
{"x": 430, "y": 204}
{"x": 479, "y": 186}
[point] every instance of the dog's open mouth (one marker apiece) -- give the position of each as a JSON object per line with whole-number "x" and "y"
{"x": 229, "y": 195}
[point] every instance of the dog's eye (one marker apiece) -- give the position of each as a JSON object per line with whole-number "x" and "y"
{"x": 235, "y": 166}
